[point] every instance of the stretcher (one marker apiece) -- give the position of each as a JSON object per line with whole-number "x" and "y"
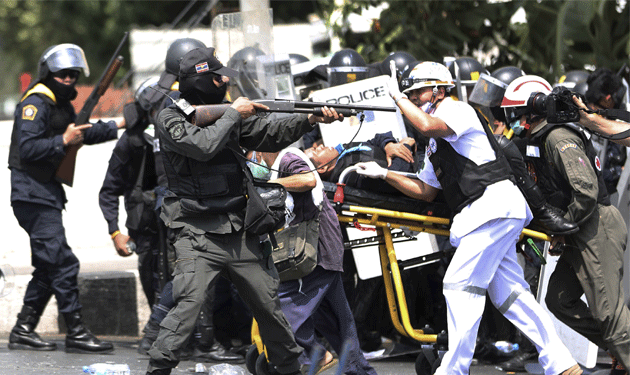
{"x": 390, "y": 217}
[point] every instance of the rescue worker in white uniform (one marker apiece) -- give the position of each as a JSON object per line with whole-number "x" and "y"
{"x": 489, "y": 213}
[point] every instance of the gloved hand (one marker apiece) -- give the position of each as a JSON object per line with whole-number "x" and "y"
{"x": 392, "y": 84}
{"x": 372, "y": 170}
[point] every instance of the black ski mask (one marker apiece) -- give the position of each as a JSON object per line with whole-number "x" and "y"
{"x": 202, "y": 89}
{"x": 63, "y": 93}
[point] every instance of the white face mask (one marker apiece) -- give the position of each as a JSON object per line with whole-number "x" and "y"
{"x": 260, "y": 170}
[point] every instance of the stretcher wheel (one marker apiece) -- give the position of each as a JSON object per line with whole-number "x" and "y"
{"x": 250, "y": 359}
{"x": 427, "y": 363}
{"x": 262, "y": 366}
{"x": 423, "y": 365}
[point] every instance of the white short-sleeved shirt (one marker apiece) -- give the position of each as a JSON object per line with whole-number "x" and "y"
{"x": 501, "y": 199}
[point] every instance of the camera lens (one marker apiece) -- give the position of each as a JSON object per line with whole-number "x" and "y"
{"x": 537, "y": 103}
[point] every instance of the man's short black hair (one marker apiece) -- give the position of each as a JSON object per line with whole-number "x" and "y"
{"x": 603, "y": 82}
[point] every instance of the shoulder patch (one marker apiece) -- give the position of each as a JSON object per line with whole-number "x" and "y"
{"x": 29, "y": 112}
{"x": 568, "y": 146}
{"x": 177, "y": 131}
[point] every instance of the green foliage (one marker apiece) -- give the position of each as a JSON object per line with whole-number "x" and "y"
{"x": 558, "y": 36}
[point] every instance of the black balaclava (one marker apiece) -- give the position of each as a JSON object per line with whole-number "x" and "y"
{"x": 63, "y": 93}
{"x": 201, "y": 90}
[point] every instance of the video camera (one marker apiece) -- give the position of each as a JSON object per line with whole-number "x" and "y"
{"x": 557, "y": 107}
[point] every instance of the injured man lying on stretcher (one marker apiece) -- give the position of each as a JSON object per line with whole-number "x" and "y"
{"x": 334, "y": 163}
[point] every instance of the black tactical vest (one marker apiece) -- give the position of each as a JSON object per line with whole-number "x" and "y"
{"x": 462, "y": 180}
{"x": 213, "y": 186}
{"x": 59, "y": 117}
{"x": 554, "y": 186}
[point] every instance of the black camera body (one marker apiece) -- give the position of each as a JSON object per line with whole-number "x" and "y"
{"x": 557, "y": 107}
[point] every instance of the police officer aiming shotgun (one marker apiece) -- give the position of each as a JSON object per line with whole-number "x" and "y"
{"x": 209, "y": 113}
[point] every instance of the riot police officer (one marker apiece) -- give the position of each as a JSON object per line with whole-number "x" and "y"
{"x": 43, "y": 128}
{"x": 591, "y": 260}
{"x": 206, "y": 208}
{"x": 132, "y": 173}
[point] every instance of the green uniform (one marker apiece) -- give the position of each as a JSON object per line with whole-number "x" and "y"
{"x": 213, "y": 243}
{"x": 593, "y": 265}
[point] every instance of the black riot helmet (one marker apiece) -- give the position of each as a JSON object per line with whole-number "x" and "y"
{"x": 246, "y": 84}
{"x": 176, "y": 52}
{"x": 507, "y": 74}
{"x": 573, "y": 77}
{"x": 60, "y": 57}
{"x": 402, "y": 59}
{"x": 469, "y": 70}
{"x": 136, "y": 113}
{"x": 296, "y": 58}
{"x": 346, "y": 66}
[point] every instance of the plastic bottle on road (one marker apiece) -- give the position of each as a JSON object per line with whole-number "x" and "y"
{"x": 107, "y": 369}
{"x": 226, "y": 369}
{"x": 505, "y": 347}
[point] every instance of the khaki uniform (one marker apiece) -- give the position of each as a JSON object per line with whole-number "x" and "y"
{"x": 593, "y": 264}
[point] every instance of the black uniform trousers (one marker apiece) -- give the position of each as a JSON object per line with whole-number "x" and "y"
{"x": 56, "y": 266}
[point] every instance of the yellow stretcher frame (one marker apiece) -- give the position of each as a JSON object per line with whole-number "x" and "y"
{"x": 384, "y": 222}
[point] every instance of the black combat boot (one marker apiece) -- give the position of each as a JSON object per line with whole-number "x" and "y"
{"x": 547, "y": 218}
{"x": 550, "y": 220}
{"x": 79, "y": 339}
{"x": 23, "y": 334}
{"x": 151, "y": 331}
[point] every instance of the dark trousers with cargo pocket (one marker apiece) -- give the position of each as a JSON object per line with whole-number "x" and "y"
{"x": 200, "y": 259}
{"x": 56, "y": 266}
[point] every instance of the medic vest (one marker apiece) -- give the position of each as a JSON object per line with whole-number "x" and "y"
{"x": 462, "y": 180}
{"x": 59, "y": 117}
{"x": 213, "y": 186}
{"x": 556, "y": 189}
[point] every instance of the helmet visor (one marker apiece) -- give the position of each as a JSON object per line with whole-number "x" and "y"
{"x": 66, "y": 56}
{"x": 488, "y": 91}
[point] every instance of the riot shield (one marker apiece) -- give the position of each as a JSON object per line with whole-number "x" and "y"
{"x": 245, "y": 41}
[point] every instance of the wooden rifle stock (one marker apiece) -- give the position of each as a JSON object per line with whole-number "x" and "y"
{"x": 65, "y": 171}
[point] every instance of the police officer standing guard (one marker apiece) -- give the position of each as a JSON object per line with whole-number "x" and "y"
{"x": 205, "y": 208}
{"x": 43, "y": 128}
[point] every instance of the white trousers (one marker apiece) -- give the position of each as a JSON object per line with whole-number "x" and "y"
{"x": 485, "y": 260}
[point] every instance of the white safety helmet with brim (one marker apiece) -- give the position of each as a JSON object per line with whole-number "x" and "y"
{"x": 429, "y": 74}
{"x": 63, "y": 56}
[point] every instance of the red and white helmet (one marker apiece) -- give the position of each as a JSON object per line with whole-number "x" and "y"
{"x": 518, "y": 93}
{"x": 429, "y": 74}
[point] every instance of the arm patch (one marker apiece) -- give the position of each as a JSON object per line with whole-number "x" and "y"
{"x": 29, "y": 112}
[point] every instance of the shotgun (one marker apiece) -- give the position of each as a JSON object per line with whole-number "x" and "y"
{"x": 204, "y": 115}
{"x": 65, "y": 171}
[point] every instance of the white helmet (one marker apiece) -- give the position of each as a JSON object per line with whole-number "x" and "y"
{"x": 519, "y": 92}
{"x": 428, "y": 74}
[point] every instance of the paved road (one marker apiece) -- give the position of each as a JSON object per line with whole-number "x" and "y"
{"x": 17, "y": 362}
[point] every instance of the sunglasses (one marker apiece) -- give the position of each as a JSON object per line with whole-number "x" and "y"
{"x": 73, "y": 74}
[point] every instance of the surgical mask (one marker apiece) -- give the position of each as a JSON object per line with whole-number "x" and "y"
{"x": 260, "y": 170}
{"x": 517, "y": 127}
